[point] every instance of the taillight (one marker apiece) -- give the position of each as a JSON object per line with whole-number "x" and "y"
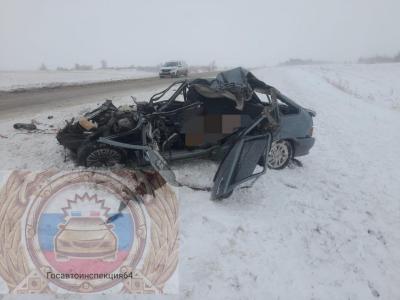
{"x": 311, "y": 131}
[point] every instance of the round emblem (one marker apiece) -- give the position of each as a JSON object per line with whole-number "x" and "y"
{"x": 78, "y": 238}
{"x": 88, "y": 232}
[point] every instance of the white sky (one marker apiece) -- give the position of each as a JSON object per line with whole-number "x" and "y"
{"x": 247, "y": 33}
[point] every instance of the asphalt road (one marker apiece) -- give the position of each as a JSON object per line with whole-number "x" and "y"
{"x": 36, "y": 100}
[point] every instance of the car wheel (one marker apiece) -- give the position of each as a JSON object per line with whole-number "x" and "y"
{"x": 280, "y": 154}
{"x": 100, "y": 155}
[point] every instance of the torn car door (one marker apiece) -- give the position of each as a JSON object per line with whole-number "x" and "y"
{"x": 240, "y": 164}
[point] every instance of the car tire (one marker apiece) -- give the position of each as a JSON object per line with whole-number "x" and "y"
{"x": 280, "y": 154}
{"x": 100, "y": 155}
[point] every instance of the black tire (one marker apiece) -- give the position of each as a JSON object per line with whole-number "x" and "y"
{"x": 100, "y": 155}
{"x": 280, "y": 154}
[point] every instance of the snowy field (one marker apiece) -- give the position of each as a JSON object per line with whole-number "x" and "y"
{"x": 327, "y": 230}
{"x": 13, "y": 80}
{"x": 378, "y": 84}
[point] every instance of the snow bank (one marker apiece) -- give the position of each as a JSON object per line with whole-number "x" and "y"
{"x": 12, "y": 80}
{"x": 378, "y": 83}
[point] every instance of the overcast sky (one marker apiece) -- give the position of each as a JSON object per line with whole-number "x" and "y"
{"x": 246, "y": 32}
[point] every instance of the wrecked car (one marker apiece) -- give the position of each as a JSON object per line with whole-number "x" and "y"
{"x": 221, "y": 118}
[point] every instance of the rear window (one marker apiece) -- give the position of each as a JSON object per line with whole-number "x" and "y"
{"x": 171, "y": 64}
{"x": 285, "y": 107}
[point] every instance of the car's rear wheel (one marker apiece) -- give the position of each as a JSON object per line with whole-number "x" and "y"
{"x": 100, "y": 155}
{"x": 280, "y": 154}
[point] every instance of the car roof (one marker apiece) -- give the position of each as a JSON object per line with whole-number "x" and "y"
{"x": 227, "y": 84}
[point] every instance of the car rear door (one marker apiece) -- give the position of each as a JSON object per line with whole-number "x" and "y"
{"x": 245, "y": 160}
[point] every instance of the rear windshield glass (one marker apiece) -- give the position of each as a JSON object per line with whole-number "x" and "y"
{"x": 171, "y": 64}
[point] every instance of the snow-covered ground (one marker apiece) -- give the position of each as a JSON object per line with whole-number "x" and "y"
{"x": 377, "y": 84}
{"x": 12, "y": 80}
{"x": 327, "y": 230}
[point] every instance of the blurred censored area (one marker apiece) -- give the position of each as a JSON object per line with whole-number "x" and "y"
{"x": 200, "y": 130}
{"x": 219, "y": 117}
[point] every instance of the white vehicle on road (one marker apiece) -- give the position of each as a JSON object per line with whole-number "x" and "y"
{"x": 174, "y": 69}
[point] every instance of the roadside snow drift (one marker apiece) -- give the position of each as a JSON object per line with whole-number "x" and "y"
{"x": 14, "y": 80}
{"x": 328, "y": 230}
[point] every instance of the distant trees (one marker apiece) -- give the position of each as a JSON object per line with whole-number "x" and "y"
{"x": 375, "y": 59}
{"x": 104, "y": 64}
{"x": 43, "y": 67}
{"x": 79, "y": 67}
{"x": 212, "y": 66}
{"x": 397, "y": 57}
{"x": 299, "y": 61}
{"x": 378, "y": 59}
